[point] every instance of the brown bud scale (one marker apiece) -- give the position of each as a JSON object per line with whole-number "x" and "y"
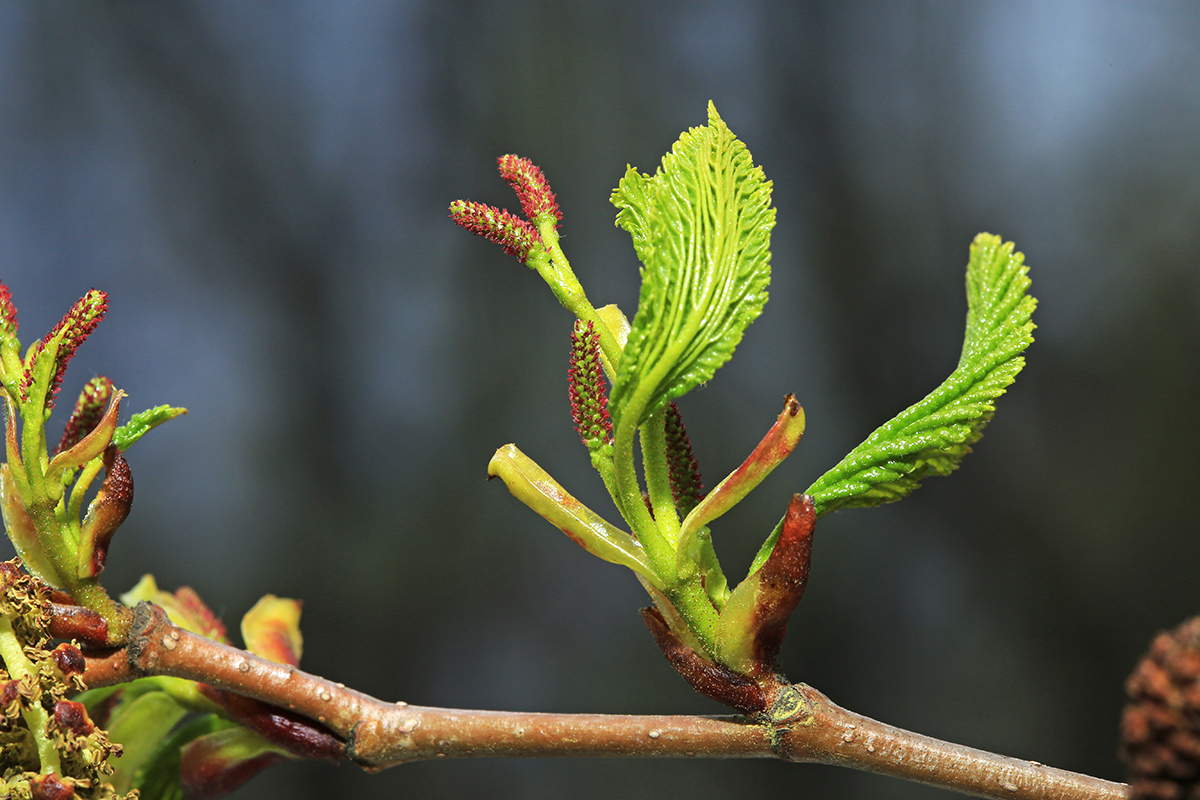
{"x": 1161, "y": 725}
{"x": 709, "y": 679}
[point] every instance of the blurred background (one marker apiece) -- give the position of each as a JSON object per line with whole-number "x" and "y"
{"x": 262, "y": 189}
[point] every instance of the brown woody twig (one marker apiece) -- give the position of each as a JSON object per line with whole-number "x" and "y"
{"x": 804, "y": 725}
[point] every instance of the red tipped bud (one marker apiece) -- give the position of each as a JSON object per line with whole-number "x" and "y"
{"x": 185, "y": 608}
{"x": 531, "y": 186}
{"x": 70, "y": 332}
{"x": 216, "y": 763}
{"x": 684, "y": 472}
{"x": 586, "y": 388}
{"x": 272, "y": 629}
{"x": 8, "y": 314}
{"x": 518, "y": 237}
{"x": 89, "y": 409}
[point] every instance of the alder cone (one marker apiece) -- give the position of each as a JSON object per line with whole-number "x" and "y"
{"x": 1160, "y": 728}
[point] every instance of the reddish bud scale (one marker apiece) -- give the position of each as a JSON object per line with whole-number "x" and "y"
{"x": 709, "y": 679}
{"x": 531, "y": 186}
{"x": 8, "y": 313}
{"x": 69, "y": 621}
{"x": 684, "y": 472}
{"x": 49, "y": 787}
{"x": 89, "y": 409}
{"x": 69, "y": 659}
{"x": 109, "y": 508}
{"x": 300, "y": 736}
{"x": 204, "y": 775}
{"x": 518, "y": 237}
{"x": 586, "y": 388}
{"x": 782, "y": 580}
{"x": 72, "y": 716}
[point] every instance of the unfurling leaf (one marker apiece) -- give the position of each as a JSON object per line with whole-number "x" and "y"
{"x": 932, "y": 436}
{"x": 21, "y": 531}
{"x": 271, "y": 629}
{"x": 142, "y": 422}
{"x": 701, "y": 227}
{"x": 140, "y": 720}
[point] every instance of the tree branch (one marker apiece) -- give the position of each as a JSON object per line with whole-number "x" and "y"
{"x": 804, "y": 725}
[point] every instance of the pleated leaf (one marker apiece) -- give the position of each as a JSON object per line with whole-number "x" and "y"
{"x": 701, "y": 227}
{"x": 932, "y": 436}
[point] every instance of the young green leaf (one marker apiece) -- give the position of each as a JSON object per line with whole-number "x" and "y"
{"x": 701, "y": 227}
{"x": 932, "y": 436}
{"x": 143, "y": 421}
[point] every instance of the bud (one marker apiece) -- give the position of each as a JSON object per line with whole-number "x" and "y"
{"x": 89, "y": 409}
{"x": 8, "y": 315}
{"x": 684, "y": 472}
{"x": 63, "y": 340}
{"x": 532, "y": 188}
{"x": 216, "y": 763}
{"x": 184, "y": 607}
{"x": 586, "y": 388}
{"x": 518, "y": 237}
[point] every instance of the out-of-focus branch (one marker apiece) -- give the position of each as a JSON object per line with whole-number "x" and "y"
{"x": 805, "y": 726}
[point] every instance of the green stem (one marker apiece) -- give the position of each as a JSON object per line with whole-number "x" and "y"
{"x": 660, "y": 553}
{"x": 603, "y": 464}
{"x": 696, "y": 608}
{"x": 35, "y": 716}
{"x": 83, "y": 481}
{"x": 92, "y": 596}
{"x": 561, "y": 278}
{"x": 686, "y": 594}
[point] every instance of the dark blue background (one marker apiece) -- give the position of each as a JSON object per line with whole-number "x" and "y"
{"x": 262, "y": 188}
